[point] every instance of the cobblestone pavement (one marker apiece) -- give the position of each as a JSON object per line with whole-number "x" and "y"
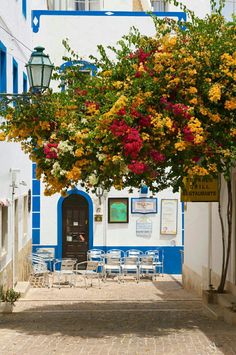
{"x": 118, "y": 319}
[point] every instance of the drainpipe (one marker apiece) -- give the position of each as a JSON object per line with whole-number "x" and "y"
{"x": 209, "y": 244}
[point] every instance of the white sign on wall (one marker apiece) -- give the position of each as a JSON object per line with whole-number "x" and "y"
{"x": 143, "y": 227}
{"x": 169, "y": 213}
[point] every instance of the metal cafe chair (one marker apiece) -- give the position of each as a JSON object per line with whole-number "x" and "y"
{"x": 116, "y": 253}
{"x": 158, "y": 259}
{"x": 147, "y": 267}
{"x": 133, "y": 252}
{"x": 89, "y": 270}
{"x": 64, "y": 272}
{"x": 112, "y": 266}
{"x": 130, "y": 265}
{"x": 39, "y": 269}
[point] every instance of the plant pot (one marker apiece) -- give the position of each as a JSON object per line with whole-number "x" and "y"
{"x": 209, "y": 296}
{"x": 6, "y": 307}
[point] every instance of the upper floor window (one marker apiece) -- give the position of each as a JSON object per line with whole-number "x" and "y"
{"x": 15, "y": 76}
{"x": 159, "y": 5}
{"x": 24, "y": 7}
{"x": 80, "y": 5}
{"x": 3, "y": 68}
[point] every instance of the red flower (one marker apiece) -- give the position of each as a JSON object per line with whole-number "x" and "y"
{"x": 121, "y": 112}
{"x": 145, "y": 121}
{"x": 50, "y": 150}
{"x": 137, "y": 168}
{"x": 188, "y": 135}
{"x": 119, "y": 128}
{"x": 81, "y": 92}
{"x": 132, "y": 143}
{"x": 156, "y": 156}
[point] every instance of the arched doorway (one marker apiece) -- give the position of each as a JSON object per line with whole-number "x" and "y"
{"x": 75, "y": 227}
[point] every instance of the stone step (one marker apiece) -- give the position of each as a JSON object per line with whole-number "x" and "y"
{"x": 213, "y": 311}
{"x": 22, "y": 287}
{"x": 226, "y": 300}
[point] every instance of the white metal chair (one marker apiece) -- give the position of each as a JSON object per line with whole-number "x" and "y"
{"x": 95, "y": 254}
{"x": 89, "y": 270}
{"x": 147, "y": 266}
{"x": 39, "y": 269}
{"x": 130, "y": 265}
{"x": 158, "y": 259}
{"x": 64, "y": 272}
{"x": 112, "y": 266}
{"x": 115, "y": 253}
{"x": 134, "y": 252}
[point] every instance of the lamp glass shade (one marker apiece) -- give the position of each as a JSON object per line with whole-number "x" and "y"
{"x": 39, "y": 70}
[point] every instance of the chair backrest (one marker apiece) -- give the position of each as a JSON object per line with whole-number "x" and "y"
{"x": 95, "y": 254}
{"x": 131, "y": 260}
{"x": 146, "y": 260}
{"x": 68, "y": 264}
{"x": 134, "y": 252}
{"x": 154, "y": 253}
{"x": 92, "y": 265}
{"x": 112, "y": 260}
{"x": 116, "y": 253}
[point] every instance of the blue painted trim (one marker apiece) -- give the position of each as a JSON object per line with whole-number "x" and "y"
{"x": 36, "y": 220}
{"x": 15, "y": 76}
{"x": 25, "y": 83}
{"x": 36, "y": 14}
{"x": 35, "y": 207}
{"x": 84, "y": 66}
{"x": 24, "y": 8}
{"x": 58, "y": 248}
{"x": 35, "y": 236}
{"x": 182, "y": 205}
{"x": 3, "y": 68}
{"x": 144, "y": 189}
{"x": 36, "y": 204}
{"x": 36, "y": 187}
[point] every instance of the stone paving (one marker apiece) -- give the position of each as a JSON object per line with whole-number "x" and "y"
{"x": 118, "y": 319}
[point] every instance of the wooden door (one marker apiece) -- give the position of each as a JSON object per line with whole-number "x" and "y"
{"x": 75, "y": 227}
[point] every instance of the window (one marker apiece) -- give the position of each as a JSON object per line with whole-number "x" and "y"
{"x": 3, "y": 68}
{"x": 3, "y": 229}
{"x": 24, "y": 7}
{"x": 15, "y": 76}
{"x": 87, "y": 5}
{"x": 25, "y": 83}
{"x": 159, "y": 5}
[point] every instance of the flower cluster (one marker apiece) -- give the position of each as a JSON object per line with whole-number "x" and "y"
{"x": 164, "y": 109}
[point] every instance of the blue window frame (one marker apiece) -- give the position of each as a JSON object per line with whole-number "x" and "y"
{"x": 25, "y": 83}
{"x": 3, "y": 68}
{"x": 24, "y": 7}
{"x": 15, "y": 76}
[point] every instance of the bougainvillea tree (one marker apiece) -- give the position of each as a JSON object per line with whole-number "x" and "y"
{"x": 160, "y": 108}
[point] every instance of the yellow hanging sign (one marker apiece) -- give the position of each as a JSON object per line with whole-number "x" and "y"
{"x": 200, "y": 189}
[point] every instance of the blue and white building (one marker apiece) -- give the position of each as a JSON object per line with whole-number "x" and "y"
{"x": 57, "y": 223}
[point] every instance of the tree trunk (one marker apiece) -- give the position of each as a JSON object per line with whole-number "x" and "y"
{"x": 226, "y": 244}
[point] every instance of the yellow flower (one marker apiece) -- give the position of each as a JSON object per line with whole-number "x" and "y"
{"x": 212, "y": 168}
{"x": 79, "y": 152}
{"x": 145, "y": 137}
{"x": 169, "y": 123}
{"x": 180, "y": 145}
{"x": 116, "y": 159}
{"x": 215, "y": 93}
{"x": 45, "y": 125}
{"x": 215, "y": 117}
{"x": 74, "y": 174}
{"x": 230, "y": 104}
{"x": 193, "y": 101}
{"x": 117, "y": 84}
{"x": 192, "y": 90}
{"x": 198, "y": 139}
{"x": 9, "y": 116}
{"x": 197, "y": 170}
{"x": 2, "y": 136}
{"x": 233, "y": 132}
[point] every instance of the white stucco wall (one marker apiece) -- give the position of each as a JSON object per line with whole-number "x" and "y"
{"x": 16, "y": 36}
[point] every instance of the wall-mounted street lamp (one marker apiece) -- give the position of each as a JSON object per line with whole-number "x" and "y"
{"x": 39, "y": 69}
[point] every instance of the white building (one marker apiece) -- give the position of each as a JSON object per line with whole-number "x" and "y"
{"x": 58, "y": 222}
{"x": 15, "y": 167}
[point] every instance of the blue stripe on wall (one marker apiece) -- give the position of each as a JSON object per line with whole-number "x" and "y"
{"x": 35, "y": 207}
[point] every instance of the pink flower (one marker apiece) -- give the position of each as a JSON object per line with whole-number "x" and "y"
{"x": 50, "y": 150}
{"x": 137, "y": 168}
